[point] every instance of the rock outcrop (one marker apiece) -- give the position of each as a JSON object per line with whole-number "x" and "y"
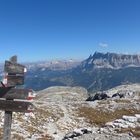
{"x": 131, "y": 91}
{"x": 98, "y": 96}
{"x": 63, "y": 94}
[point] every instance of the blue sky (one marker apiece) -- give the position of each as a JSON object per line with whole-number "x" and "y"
{"x": 61, "y": 29}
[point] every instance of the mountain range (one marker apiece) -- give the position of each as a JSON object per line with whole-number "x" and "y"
{"x": 111, "y": 60}
{"x": 64, "y": 113}
{"x": 53, "y": 65}
{"x": 100, "y": 71}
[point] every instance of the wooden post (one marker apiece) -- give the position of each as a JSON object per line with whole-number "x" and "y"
{"x": 14, "y": 76}
{"x": 7, "y": 125}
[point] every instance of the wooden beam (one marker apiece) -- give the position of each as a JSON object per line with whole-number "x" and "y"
{"x": 7, "y": 93}
{"x": 16, "y": 106}
{"x": 14, "y": 80}
{"x": 13, "y": 68}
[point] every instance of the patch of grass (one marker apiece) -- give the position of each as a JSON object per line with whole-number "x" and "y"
{"x": 17, "y": 137}
{"x": 46, "y": 137}
{"x": 47, "y": 113}
{"x": 39, "y": 103}
{"x": 134, "y": 131}
{"x": 43, "y": 112}
{"x": 137, "y": 100}
{"x": 122, "y": 101}
{"x": 31, "y": 129}
{"x": 20, "y": 118}
{"x": 42, "y": 115}
{"x": 100, "y": 117}
{"x": 104, "y": 102}
{"x": 138, "y": 93}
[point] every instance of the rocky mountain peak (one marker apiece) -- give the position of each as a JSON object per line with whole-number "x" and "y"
{"x": 111, "y": 60}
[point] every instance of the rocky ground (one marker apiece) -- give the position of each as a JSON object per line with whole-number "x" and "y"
{"x": 62, "y": 113}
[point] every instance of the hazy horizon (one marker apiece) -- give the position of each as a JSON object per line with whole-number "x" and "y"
{"x": 65, "y": 59}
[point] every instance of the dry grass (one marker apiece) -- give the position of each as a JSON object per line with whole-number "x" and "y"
{"x": 134, "y": 131}
{"x": 42, "y": 115}
{"x": 49, "y": 113}
{"x": 104, "y": 102}
{"x": 31, "y": 129}
{"x": 20, "y": 118}
{"x": 122, "y": 101}
{"x": 138, "y": 93}
{"x": 17, "y": 137}
{"x": 14, "y": 136}
{"x": 46, "y": 137}
{"x": 43, "y": 112}
{"x": 100, "y": 117}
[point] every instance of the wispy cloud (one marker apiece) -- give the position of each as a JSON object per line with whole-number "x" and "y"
{"x": 103, "y": 45}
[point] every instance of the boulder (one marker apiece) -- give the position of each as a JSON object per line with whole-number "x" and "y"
{"x": 130, "y": 118}
{"x": 120, "y": 95}
{"x": 77, "y": 133}
{"x": 98, "y": 96}
{"x": 138, "y": 117}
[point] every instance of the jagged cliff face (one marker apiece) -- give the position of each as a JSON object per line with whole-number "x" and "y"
{"x": 111, "y": 60}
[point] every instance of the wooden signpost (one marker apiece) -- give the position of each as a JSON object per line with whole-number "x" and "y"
{"x": 11, "y": 97}
{"x": 15, "y": 106}
{"x": 13, "y": 93}
{"x": 13, "y": 68}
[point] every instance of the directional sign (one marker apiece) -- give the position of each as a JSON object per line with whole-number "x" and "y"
{"x": 13, "y": 68}
{"x": 8, "y": 93}
{"x": 14, "y": 72}
{"x": 16, "y": 106}
{"x": 14, "y": 80}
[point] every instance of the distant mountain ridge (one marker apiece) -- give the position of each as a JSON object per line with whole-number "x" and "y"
{"x": 53, "y": 65}
{"x": 111, "y": 60}
{"x": 100, "y": 71}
